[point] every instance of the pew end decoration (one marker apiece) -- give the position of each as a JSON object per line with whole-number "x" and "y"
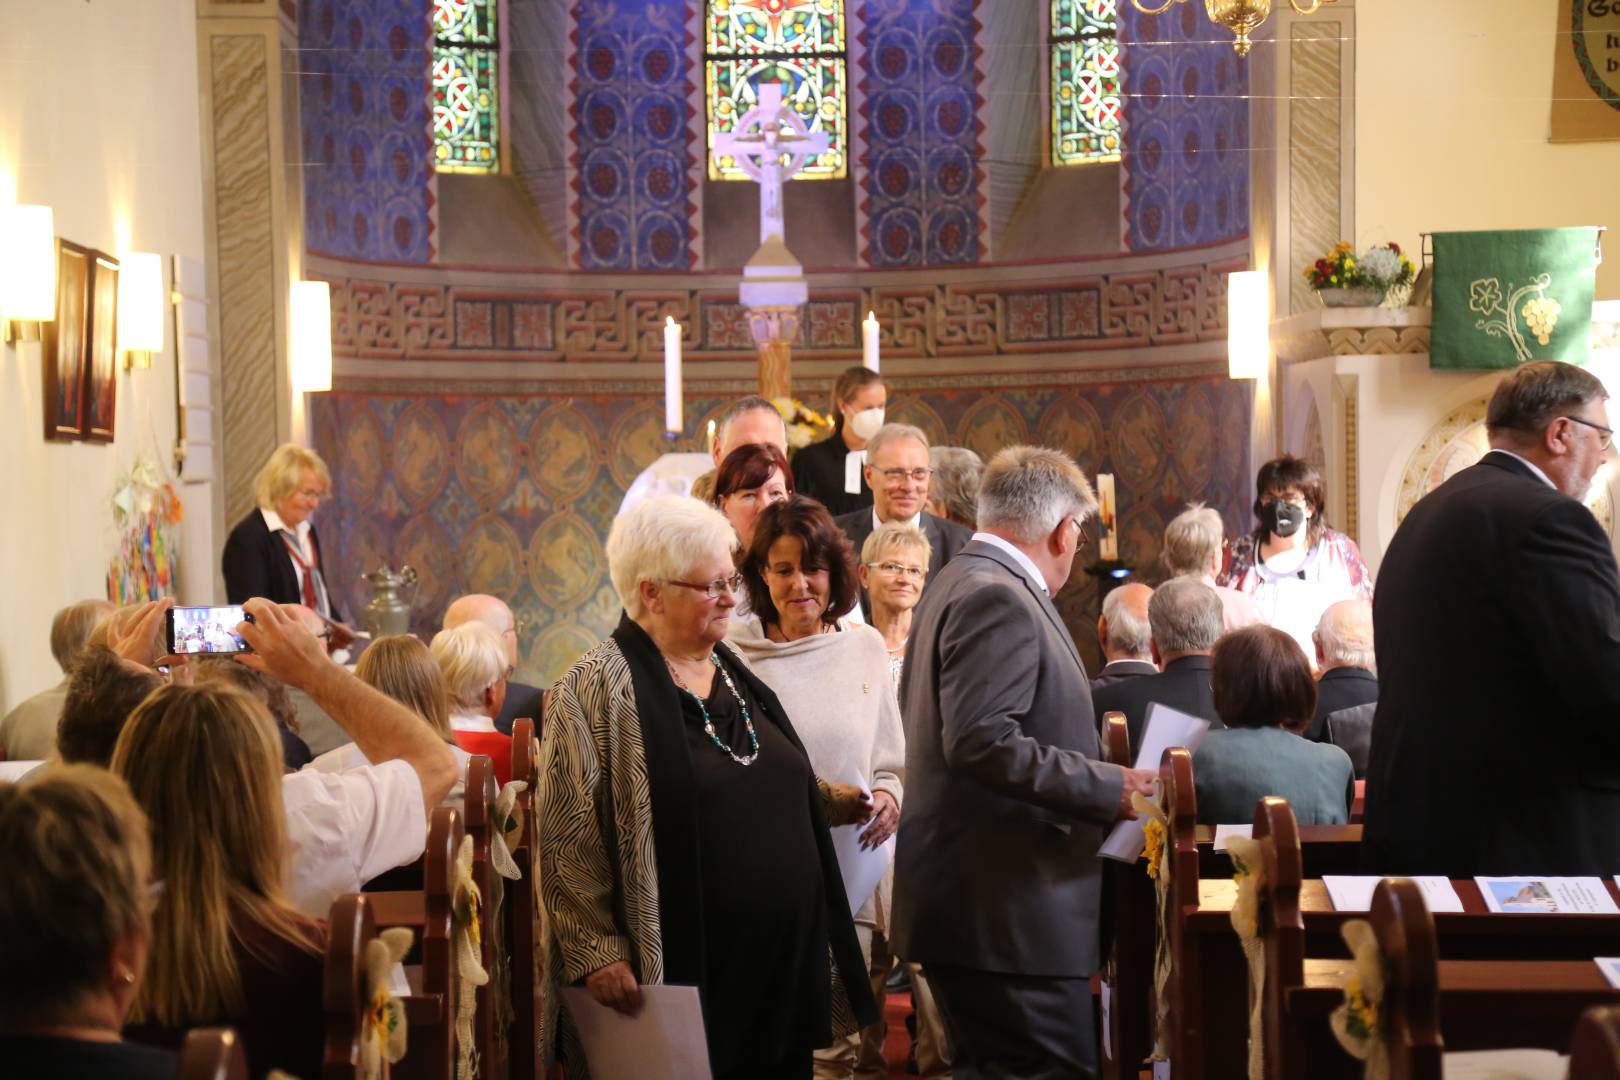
{"x": 366, "y": 1028}
{"x": 469, "y": 946}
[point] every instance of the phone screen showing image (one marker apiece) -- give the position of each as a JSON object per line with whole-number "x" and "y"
{"x": 205, "y": 630}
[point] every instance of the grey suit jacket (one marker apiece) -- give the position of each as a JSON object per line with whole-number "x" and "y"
{"x": 1007, "y": 798}
{"x": 945, "y": 539}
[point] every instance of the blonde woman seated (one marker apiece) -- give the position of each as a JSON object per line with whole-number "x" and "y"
{"x": 227, "y": 947}
{"x": 74, "y": 927}
{"x": 894, "y": 568}
{"x": 832, "y": 678}
{"x": 472, "y": 658}
{"x": 402, "y": 667}
{"x": 686, "y": 833}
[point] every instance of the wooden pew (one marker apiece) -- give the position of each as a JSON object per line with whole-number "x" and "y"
{"x": 212, "y": 1054}
{"x": 1430, "y": 1003}
{"x": 1306, "y": 967}
{"x": 522, "y": 919}
{"x": 351, "y": 927}
{"x": 480, "y": 808}
{"x": 1594, "y": 1051}
{"x": 435, "y": 984}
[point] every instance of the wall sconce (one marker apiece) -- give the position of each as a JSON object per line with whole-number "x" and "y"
{"x": 311, "y": 320}
{"x": 140, "y": 308}
{"x": 1248, "y": 310}
{"x": 27, "y": 269}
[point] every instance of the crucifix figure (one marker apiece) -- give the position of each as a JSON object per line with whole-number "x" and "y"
{"x": 765, "y": 136}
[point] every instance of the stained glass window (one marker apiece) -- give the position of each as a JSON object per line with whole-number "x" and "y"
{"x": 1086, "y": 104}
{"x": 798, "y": 43}
{"x": 466, "y": 86}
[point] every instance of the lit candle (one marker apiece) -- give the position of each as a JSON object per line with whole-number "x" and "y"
{"x": 1107, "y": 525}
{"x": 673, "y": 422}
{"x": 869, "y": 341}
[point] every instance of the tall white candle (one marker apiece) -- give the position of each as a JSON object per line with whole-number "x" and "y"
{"x": 869, "y": 341}
{"x": 1107, "y": 519}
{"x": 673, "y": 421}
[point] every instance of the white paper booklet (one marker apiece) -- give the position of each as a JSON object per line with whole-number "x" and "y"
{"x": 1355, "y": 893}
{"x": 1223, "y": 833}
{"x": 664, "y": 1041}
{"x": 1610, "y": 966}
{"x": 1547, "y": 895}
{"x": 1165, "y": 727}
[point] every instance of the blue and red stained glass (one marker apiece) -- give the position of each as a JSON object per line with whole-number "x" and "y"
{"x": 1086, "y": 103}
{"x": 466, "y": 86}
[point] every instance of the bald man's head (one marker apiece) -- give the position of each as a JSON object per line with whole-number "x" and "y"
{"x": 1123, "y": 628}
{"x": 1344, "y": 636}
{"x": 492, "y": 611}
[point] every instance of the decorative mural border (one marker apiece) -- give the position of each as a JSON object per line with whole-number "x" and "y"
{"x": 1124, "y": 308}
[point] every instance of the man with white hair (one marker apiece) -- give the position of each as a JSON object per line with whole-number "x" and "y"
{"x": 1123, "y": 635}
{"x": 522, "y": 700}
{"x": 1186, "y": 619}
{"x": 996, "y": 877}
{"x": 898, "y": 471}
{"x": 750, "y": 419}
{"x": 1345, "y": 658}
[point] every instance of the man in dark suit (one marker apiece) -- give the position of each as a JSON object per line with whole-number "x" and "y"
{"x": 1124, "y": 637}
{"x": 522, "y": 700}
{"x": 1496, "y": 744}
{"x": 1186, "y": 619}
{"x": 897, "y": 469}
{"x": 1345, "y": 658}
{"x": 996, "y": 877}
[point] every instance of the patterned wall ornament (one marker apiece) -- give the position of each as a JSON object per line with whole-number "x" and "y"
{"x": 1185, "y": 172}
{"x": 492, "y": 557}
{"x": 487, "y": 454}
{"x": 919, "y": 134}
{"x": 915, "y": 411}
{"x": 989, "y": 425}
{"x": 634, "y": 168}
{"x": 368, "y": 156}
{"x": 1141, "y": 535}
{"x": 1192, "y": 433}
{"x": 423, "y": 545}
{"x": 565, "y": 561}
{"x": 1138, "y": 440}
{"x": 1071, "y": 424}
{"x": 556, "y": 649}
{"x": 562, "y": 452}
{"x": 362, "y": 456}
{"x": 636, "y": 442}
{"x": 421, "y": 455}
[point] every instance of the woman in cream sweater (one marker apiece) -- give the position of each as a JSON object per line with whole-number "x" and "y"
{"x": 832, "y": 678}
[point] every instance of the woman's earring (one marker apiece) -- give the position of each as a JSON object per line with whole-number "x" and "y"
{"x": 125, "y": 975}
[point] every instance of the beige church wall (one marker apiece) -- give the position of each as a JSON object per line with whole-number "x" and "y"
{"x": 1454, "y": 98}
{"x": 101, "y": 124}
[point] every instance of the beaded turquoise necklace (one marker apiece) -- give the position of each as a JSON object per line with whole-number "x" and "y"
{"x": 708, "y": 724}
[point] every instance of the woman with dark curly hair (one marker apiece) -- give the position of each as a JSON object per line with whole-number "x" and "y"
{"x": 832, "y": 678}
{"x": 1293, "y": 565}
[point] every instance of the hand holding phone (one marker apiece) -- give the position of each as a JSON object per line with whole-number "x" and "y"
{"x": 208, "y": 630}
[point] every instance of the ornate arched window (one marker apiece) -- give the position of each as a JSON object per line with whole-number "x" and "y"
{"x": 798, "y": 43}
{"x": 466, "y": 86}
{"x": 1084, "y": 89}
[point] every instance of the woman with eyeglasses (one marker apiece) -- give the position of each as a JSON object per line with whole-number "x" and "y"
{"x": 686, "y": 831}
{"x": 894, "y": 566}
{"x": 833, "y": 678}
{"x": 1293, "y": 566}
{"x": 751, "y": 478}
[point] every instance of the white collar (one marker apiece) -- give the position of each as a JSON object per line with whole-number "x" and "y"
{"x": 471, "y": 722}
{"x": 1532, "y": 466}
{"x": 915, "y": 521}
{"x": 1024, "y": 561}
{"x": 273, "y": 522}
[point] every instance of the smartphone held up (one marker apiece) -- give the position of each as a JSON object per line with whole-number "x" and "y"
{"x": 194, "y": 630}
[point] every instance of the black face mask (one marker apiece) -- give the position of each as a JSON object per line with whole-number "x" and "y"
{"x": 1281, "y": 518}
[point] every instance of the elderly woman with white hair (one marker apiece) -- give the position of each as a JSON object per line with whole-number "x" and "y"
{"x": 686, "y": 834}
{"x": 472, "y": 658}
{"x": 1195, "y": 547}
{"x": 274, "y": 552}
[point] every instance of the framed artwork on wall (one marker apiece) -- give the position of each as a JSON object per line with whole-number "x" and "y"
{"x": 64, "y": 344}
{"x": 101, "y": 363}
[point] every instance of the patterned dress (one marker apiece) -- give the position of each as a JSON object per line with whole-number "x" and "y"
{"x": 1333, "y": 570}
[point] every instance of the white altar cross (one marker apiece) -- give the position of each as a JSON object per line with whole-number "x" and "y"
{"x": 765, "y": 136}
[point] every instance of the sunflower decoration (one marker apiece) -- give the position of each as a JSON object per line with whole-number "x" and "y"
{"x": 1355, "y": 1023}
{"x": 1249, "y": 874}
{"x": 508, "y": 830}
{"x": 467, "y": 936}
{"x": 382, "y": 1035}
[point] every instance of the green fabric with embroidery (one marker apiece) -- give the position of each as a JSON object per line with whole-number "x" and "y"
{"x": 1506, "y": 297}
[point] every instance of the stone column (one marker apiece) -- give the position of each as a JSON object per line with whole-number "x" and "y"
{"x": 774, "y": 329}
{"x": 253, "y": 207}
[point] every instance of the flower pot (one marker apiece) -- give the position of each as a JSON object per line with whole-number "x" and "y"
{"x": 1360, "y": 296}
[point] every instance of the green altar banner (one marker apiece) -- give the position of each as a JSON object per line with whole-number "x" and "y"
{"x": 1506, "y": 297}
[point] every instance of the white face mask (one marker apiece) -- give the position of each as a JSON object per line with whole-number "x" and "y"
{"x": 866, "y": 423}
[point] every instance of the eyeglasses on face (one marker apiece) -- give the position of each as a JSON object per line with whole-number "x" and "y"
{"x": 713, "y": 589}
{"x": 894, "y": 569}
{"x": 1606, "y": 435}
{"x": 900, "y": 476}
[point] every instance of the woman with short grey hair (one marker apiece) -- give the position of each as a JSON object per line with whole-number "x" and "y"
{"x": 1195, "y": 547}
{"x": 954, "y": 490}
{"x": 686, "y": 834}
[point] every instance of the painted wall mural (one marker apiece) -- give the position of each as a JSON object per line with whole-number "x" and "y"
{"x": 918, "y": 134}
{"x": 634, "y": 163}
{"x": 512, "y": 493}
{"x": 1186, "y": 130}
{"x": 368, "y": 150}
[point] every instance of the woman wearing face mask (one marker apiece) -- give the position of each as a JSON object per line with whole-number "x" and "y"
{"x": 1293, "y": 565}
{"x": 830, "y": 470}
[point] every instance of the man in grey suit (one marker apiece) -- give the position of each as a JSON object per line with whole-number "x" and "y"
{"x": 898, "y": 472}
{"x": 996, "y": 880}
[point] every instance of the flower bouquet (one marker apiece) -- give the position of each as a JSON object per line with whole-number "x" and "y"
{"x": 804, "y": 424}
{"x": 1343, "y": 280}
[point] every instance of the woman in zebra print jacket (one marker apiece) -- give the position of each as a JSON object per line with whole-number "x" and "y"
{"x": 685, "y": 834}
